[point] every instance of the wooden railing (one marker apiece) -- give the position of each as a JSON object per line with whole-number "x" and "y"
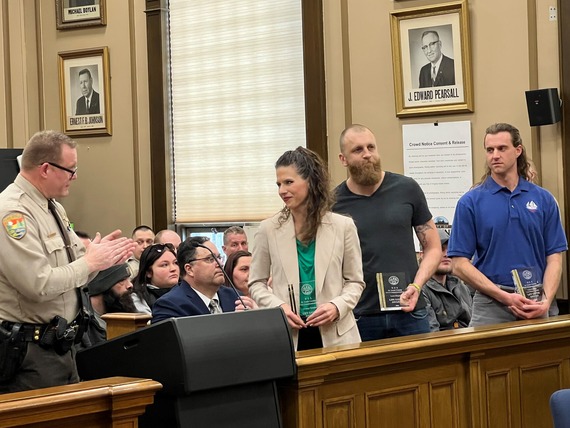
{"x": 113, "y": 402}
{"x": 494, "y": 376}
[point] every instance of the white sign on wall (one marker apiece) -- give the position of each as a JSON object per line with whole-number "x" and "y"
{"x": 438, "y": 156}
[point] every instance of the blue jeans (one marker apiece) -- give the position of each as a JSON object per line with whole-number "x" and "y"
{"x": 393, "y": 324}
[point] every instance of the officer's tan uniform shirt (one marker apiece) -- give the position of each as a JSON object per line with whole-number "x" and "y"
{"x": 37, "y": 281}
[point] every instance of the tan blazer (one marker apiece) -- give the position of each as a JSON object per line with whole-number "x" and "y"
{"x": 338, "y": 271}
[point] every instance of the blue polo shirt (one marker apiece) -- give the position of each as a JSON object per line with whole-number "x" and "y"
{"x": 504, "y": 230}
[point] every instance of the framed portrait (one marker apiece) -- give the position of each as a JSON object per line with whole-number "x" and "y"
{"x": 80, "y": 13}
{"x": 85, "y": 92}
{"x": 432, "y": 59}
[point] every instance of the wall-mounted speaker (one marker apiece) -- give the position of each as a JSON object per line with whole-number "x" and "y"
{"x": 543, "y": 106}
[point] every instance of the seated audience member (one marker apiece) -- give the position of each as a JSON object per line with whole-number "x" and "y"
{"x": 201, "y": 290}
{"x": 237, "y": 269}
{"x": 143, "y": 237}
{"x": 167, "y": 236}
{"x": 84, "y": 236}
{"x": 448, "y": 298}
{"x": 110, "y": 291}
{"x": 235, "y": 240}
{"x": 158, "y": 273}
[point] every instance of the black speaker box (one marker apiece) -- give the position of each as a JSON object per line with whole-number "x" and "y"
{"x": 543, "y": 106}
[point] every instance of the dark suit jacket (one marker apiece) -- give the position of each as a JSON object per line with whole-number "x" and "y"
{"x": 183, "y": 301}
{"x": 80, "y": 107}
{"x": 445, "y": 74}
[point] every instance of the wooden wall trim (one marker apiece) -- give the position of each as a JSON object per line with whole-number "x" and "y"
{"x": 314, "y": 65}
{"x": 157, "y": 30}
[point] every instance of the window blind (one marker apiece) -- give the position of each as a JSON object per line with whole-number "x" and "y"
{"x": 237, "y": 104}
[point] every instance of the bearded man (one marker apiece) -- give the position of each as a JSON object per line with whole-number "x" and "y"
{"x": 110, "y": 291}
{"x": 386, "y": 208}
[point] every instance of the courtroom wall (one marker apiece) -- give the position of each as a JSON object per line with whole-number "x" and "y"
{"x": 113, "y": 185}
{"x": 514, "y": 48}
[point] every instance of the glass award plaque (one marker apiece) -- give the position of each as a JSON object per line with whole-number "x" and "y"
{"x": 391, "y": 285}
{"x": 527, "y": 283}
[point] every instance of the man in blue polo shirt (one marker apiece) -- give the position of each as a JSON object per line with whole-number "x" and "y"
{"x": 506, "y": 222}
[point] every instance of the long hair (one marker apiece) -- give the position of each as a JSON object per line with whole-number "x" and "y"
{"x": 150, "y": 255}
{"x": 524, "y": 167}
{"x": 232, "y": 261}
{"x": 320, "y": 198}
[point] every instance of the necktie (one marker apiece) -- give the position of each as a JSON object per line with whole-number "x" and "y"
{"x": 62, "y": 230}
{"x": 215, "y": 307}
{"x": 87, "y": 104}
{"x": 433, "y": 75}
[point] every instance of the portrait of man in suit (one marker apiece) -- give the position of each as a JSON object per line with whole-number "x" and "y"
{"x": 440, "y": 70}
{"x": 88, "y": 103}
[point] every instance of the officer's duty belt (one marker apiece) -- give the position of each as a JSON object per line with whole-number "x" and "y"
{"x": 27, "y": 332}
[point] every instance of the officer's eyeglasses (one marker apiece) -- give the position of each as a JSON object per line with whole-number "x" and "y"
{"x": 72, "y": 172}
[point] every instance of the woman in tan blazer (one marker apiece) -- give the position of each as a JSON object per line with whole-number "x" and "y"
{"x": 312, "y": 255}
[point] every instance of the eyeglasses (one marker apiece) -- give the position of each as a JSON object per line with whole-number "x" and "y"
{"x": 72, "y": 172}
{"x": 430, "y": 45}
{"x": 209, "y": 259}
{"x": 159, "y": 248}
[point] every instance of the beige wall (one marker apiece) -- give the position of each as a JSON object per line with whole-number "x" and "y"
{"x": 505, "y": 61}
{"x": 113, "y": 189}
{"x": 111, "y": 192}
{"x": 360, "y": 79}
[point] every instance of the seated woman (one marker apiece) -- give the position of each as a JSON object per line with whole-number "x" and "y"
{"x": 237, "y": 269}
{"x": 158, "y": 273}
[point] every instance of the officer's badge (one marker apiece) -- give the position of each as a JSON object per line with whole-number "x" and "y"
{"x": 15, "y": 225}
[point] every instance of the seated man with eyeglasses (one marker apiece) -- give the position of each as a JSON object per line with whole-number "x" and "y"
{"x": 201, "y": 289}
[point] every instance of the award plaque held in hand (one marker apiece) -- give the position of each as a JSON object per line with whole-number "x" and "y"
{"x": 390, "y": 287}
{"x": 528, "y": 283}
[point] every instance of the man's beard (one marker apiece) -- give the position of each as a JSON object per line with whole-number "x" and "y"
{"x": 366, "y": 174}
{"x": 122, "y": 303}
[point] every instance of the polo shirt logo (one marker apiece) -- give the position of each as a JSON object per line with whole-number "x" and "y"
{"x": 531, "y": 206}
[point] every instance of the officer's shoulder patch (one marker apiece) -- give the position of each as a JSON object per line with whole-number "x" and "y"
{"x": 15, "y": 225}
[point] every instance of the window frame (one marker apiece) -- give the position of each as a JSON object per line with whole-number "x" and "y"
{"x": 159, "y": 103}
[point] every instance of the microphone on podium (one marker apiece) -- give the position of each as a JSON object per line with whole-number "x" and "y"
{"x": 228, "y": 279}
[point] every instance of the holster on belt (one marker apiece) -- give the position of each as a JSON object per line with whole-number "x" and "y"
{"x": 12, "y": 351}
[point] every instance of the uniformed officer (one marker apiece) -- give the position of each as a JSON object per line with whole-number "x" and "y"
{"x": 42, "y": 268}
